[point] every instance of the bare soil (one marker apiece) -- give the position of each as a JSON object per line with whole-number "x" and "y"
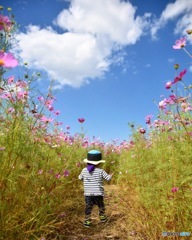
{"x": 118, "y": 225}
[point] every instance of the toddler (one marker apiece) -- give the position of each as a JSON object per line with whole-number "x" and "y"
{"x": 92, "y": 177}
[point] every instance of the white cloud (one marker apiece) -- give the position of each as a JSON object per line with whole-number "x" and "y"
{"x": 172, "y": 11}
{"x": 171, "y": 60}
{"x": 92, "y": 31}
{"x": 69, "y": 58}
{"x": 184, "y": 24}
{"x": 111, "y": 18}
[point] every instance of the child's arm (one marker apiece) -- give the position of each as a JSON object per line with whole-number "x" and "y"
{"x": 106, "y": 176}
{"x": 81, "y": 176}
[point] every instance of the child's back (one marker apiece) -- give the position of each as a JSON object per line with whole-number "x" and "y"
{"x": 92, "y": 177}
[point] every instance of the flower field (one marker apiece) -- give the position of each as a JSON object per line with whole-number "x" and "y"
{"x": 41, "y": 196}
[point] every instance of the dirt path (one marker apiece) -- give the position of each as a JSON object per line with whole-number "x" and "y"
{"x": 117, "y": 226}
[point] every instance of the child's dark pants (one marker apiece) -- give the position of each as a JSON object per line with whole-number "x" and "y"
{"x": 91, "y": 201}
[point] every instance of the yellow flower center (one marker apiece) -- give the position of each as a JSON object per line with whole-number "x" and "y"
{"x": 2, "y": 62}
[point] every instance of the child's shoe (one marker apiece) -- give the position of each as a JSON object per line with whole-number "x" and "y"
{"x": 87, "y": 223}
{"x": 103, "y": 218}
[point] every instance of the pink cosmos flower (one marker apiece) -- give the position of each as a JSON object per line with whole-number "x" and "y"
{"x": 40, "y": 98}
{"x": 58, "y": 175}
{"x": 58, "y": 123}
{"x": 168, "y": 85}
{"x": 81, "y": 120}
{"x": 10, "y": 80}
{"x": 173, "y": 97}
{"x": 66, "y": 173}
{"x": 180, "y": 43}
{"x": 6, "y": 95}
{"x": 162, "y": 104}
{"x": 51, "y": 108}
{"x": 57, "y": 113}
{"x": 21, "y": 83}
{"x": 22, "y": 95}
{"x": 7, "y": 60}
{"x": 5, "y": 22}
{"x": 46, "y": 120}
{"x": 148, "y": 119}
{"x": 189, "y": 108}
{"x": 142, "y": 130}
{"x": 40, "y": 172}
{"x": 10, "y": 110}
{"x": 48, "y": 102}
{"x": 179, "y": 78}
{"x": 67, "y": 127}
{"x": 175, "y": 189}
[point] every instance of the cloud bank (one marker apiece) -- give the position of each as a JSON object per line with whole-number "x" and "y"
{"x": 91, "y": 32}
{"x": 180, "y": 8}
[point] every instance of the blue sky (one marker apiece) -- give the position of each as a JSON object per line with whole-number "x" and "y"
{"x": 109, "y": 59}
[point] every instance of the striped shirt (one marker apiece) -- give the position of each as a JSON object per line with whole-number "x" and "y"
{"x": 93, "y": 182}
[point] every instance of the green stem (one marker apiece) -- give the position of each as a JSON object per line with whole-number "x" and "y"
{"x": 187, "y": 52}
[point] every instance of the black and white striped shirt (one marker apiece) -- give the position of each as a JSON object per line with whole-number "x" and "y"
{"x": 93, "y": 182}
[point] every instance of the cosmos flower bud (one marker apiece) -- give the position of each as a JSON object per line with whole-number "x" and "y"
{"x": 189, "y": 31}
{"x": 81, "y": 120}
{"x": 176, "y": 66}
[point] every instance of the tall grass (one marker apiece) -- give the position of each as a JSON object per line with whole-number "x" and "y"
{"x": 161, "y": 176}
{"x": 40, "y": 193}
